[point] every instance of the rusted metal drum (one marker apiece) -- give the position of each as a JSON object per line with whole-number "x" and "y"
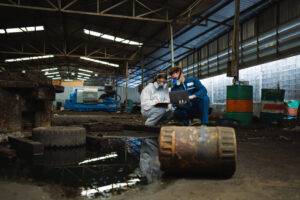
{"x": 198, "y": 149}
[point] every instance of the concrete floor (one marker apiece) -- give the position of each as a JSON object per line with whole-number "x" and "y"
{"x": 268, "y": 168}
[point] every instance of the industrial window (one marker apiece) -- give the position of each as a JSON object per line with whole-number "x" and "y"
{"x": 184, "y": 62}
{"x": 267, "y": 19}
{"x": 293, "y": 8}
{"x": 248, "y": 29}
{"x": 196, "y": 57}
{"x": 222, "y": 42}
{"x": 190, "y": 59}
{"x": 204, "y": 52}
{"x": 213, "y": 48}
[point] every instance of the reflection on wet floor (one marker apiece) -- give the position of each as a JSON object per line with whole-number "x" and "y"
{"x": 107, "y": 188}
{"x": 90, "y": 171}
{"x": 111, "y": 155}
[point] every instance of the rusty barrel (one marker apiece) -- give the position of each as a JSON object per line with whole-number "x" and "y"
{"x": 198, "y": 149}
{"x": 272, "y": 105}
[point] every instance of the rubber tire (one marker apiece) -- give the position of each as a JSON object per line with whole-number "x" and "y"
{"x": 60, "y": 136}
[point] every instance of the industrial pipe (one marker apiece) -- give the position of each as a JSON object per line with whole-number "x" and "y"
{"x": 198, "y": 149}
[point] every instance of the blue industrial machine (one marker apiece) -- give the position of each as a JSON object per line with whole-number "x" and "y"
{"x": 83, "y": 100}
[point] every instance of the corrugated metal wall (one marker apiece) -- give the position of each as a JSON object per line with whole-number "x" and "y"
{"x": 268, "y": 36}
{"x": 284, "y": 73}
{"x": 273, "y": 34}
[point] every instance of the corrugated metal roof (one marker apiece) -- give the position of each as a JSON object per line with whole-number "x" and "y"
{"x": 193, "y": 38}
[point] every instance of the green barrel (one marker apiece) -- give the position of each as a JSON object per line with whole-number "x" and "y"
{"x": 240, "y": 93}
{"x": 272, "y": 95}
{"x": 271, "y": 99}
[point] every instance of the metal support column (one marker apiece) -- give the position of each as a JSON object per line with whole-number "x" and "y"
{"x": 133, "y": 8}
{"x": 171, "y": 44}
{"x": 277, "y": 25}
{"x": 126, "y": 86}
{"x": 142, "y": 68}
{"x": 234, "y": 71}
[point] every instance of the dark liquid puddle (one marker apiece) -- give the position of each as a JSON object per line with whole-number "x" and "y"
{"x": 90, "y": 171}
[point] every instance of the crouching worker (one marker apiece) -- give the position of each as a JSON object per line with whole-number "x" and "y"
{"x": 155, "y": 99}
{"x": 198, "y": 106}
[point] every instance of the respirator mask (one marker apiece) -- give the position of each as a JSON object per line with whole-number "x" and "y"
{"x": 176, "y": 81}
{"x": 160, "y": 85}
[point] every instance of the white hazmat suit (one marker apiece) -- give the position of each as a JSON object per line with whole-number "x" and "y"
{"x": 151, "y": 95}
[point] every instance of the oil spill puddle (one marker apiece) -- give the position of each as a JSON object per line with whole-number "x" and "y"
{"x": 90, "y": 171}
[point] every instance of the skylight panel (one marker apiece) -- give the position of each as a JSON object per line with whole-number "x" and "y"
{"x": 49, "y": 69}
{"x": 85, "y": 70}
{"x": 83, "y": 74}
{"x": 82, "y": 79}
{"x": 111, "y": 37}
{"x": 51, "y": 73}
{"x": 13, "y": 30}
{"x": 28, "y": 58}
{"x": 22, "y": 29}
{"x": 100, "y": 61}
{"x": 39, "y": 28}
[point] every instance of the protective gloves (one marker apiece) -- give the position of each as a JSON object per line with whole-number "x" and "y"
{"x": 192, "y": 96}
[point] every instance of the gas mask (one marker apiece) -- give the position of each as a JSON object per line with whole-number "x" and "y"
{"x": 159, "y": 85}
{"x": 175, "y": 81}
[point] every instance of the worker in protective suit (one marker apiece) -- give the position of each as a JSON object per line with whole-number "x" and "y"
{"x": 155, "y": 99}
{"x": 198, "y": 106}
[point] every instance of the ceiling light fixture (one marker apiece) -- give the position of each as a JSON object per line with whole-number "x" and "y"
{"x": 22, "y": 29}
{"x": 85, "y": 70}
{"x": 28, "y": 58}
{"x": 111, "y": 37}
{"x": 100, "y": 61}
{"x": 83, "y": 74}
{"x": 51, "y": 73}
{"x": 49, "y": 69}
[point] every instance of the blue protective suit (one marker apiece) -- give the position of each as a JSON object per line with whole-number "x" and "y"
{"x": 198, "y": 107}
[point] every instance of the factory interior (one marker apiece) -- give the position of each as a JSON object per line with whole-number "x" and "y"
{"x": 140, "y": 99}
